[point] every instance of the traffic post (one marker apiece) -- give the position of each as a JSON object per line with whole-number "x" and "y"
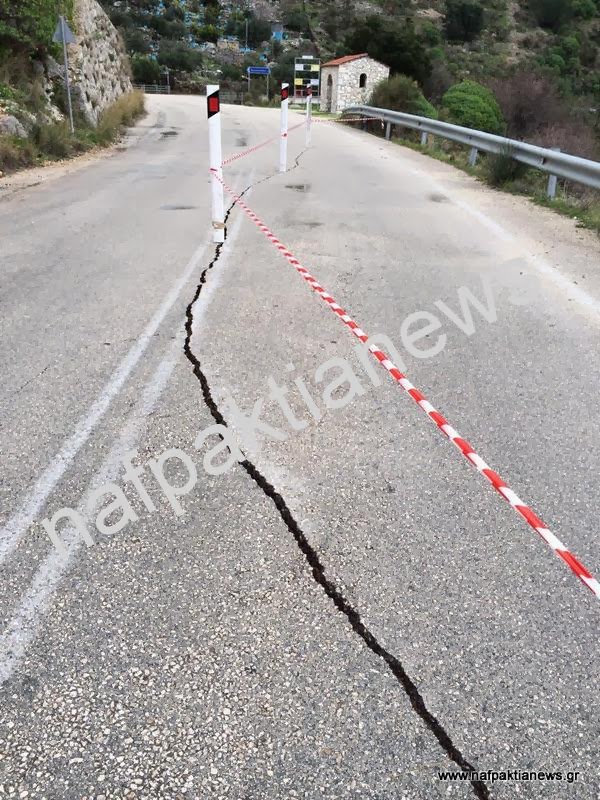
{"x": 215, "y": 155}
{"x": 285, "y": 94}
{"x": 308, "y": 115}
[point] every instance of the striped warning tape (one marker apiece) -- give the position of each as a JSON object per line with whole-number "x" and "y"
{"x": 347, "y": 119}
{"x": 256, "y": 147}
{"x": 465, "y": 448}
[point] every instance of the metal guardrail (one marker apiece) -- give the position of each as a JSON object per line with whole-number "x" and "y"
{"x": 148, "y": 88}
{"x": 234, "y": 98}
{"x": 553, "y": 162}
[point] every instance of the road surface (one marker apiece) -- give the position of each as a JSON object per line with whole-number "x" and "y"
{"x": 352, "y": 609}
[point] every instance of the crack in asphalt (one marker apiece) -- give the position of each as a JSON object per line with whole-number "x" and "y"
{"x": 395, "y": 666}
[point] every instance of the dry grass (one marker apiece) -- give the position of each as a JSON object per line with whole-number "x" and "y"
{"x": 120, "y": 115}
{"x": 55, "y": 141}
{"x": 16, "y": 153}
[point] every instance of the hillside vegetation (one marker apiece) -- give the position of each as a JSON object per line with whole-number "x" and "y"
{"x": 33, "y": 101}
{"x": 529, "y": 68}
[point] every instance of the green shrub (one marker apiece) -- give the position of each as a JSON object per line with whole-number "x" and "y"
{"x": 401, "y": 93}
{"x": 28, "y": 25}
{"x": 501, "y": 169}
{"x": 54, "y": 140}
{"x": 585, "y": 9}
{"x": 423, "y": 108}
{"x": 7, "y": 92}
{"x": 473, "y": 106}
{"x": 463, "y": 20}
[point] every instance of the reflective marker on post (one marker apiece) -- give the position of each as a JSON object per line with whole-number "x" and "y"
{"x": 215, "y": 157}
{"x": 285, "y": 93}
{"x": 308, "y": 115}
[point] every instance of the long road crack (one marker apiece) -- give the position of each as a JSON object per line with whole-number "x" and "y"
{"x": 317, "y": 569}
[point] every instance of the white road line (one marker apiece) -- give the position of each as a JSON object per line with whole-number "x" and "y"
{"x": 23, "y": 626}
{"x": 34, "y": 501}
{"x": 573, "y": 292}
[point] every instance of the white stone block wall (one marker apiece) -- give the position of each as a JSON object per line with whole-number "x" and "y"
{"x": 346, "y": 82}
{"x": 99, "y": 66}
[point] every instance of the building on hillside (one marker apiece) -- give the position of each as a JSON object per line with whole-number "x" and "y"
{"x": 349, "y": 81}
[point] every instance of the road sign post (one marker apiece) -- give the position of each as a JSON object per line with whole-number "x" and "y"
{"x": 64, "y": 35}
{"x": 264, "y": 71}
{"x": 216, "y": 160}
{"x": 285, "y": 94}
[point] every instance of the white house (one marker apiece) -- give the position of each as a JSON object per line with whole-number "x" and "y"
{"x": 349, "y": 80}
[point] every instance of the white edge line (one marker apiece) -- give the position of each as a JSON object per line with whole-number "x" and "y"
{"x": 24, "y": 624}
{"x": 13, "y": 531}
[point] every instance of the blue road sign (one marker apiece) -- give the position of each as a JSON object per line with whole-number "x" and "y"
{"x": 258, "y": 70}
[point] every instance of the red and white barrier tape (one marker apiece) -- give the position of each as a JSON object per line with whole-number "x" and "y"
{"x": 348, "y": 119}
{"x": 465, "y": 448}
{"x": 256, "y": 147}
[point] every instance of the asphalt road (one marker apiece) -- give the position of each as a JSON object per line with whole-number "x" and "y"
{"x": 351, "y": 609}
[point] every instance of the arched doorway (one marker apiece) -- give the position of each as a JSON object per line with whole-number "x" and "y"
{"x": 329, "y": 100}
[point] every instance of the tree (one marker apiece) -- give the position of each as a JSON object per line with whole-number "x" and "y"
{"x": 145, "y": 69}
{"x": 136, "y": 41}
{"x": 393, "y": 43}
{"x": 295, "y": 19}
{"x": 259, "y": 29}
{"x": 178, "y": 56}
{"x": 438, "y": 82}
{"x": 473, "y": 106}
{"x": 463, "y": 20}
{"x": 212, "y": 13}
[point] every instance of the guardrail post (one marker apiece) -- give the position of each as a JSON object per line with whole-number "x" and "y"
{"x": 285, "y": 94}
{"x": 553, "y": 180}
{"x": 564, "y": 166}
{"x": 388, "y": 131}
{"x": 424, "y": 138}
{"x": 215, "y": 154}
{"x": 308, "y": 115}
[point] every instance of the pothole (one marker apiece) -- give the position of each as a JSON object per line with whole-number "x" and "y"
{"x": 298, "y": 187}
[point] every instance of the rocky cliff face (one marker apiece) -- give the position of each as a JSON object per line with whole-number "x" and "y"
{"x": 99, "y": 72}
{"x": 99, "y": 67}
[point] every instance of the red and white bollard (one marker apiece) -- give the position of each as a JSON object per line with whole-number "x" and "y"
{"x": 308, "y": 115}
{"x": 285, "y": 94}
{"x": 215, "y": 154}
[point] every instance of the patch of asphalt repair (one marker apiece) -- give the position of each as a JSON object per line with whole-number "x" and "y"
{"x": 317, "y": 569}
